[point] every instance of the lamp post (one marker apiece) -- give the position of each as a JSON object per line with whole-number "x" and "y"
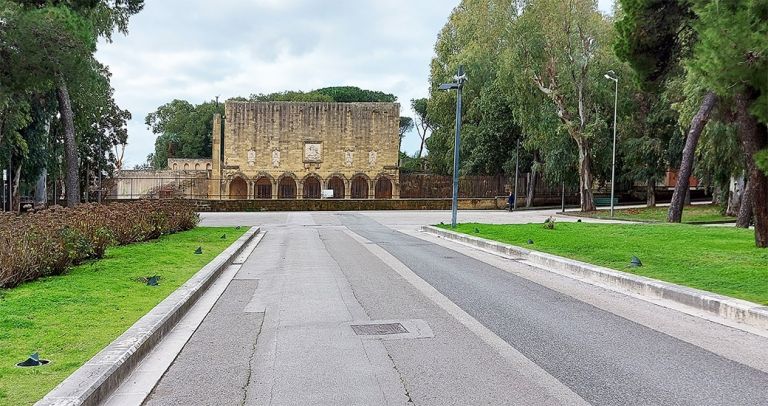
{"x": 517, "y": 171}
{"x": 611, "y": 75}
{"x": 460, "y": 78}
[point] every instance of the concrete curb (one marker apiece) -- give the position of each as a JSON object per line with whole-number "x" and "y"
{"x": 92, "y": 383}
{"x": 737, "y": 310}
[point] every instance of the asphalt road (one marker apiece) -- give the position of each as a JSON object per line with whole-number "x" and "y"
{"x": 606, "y": 359}
{"x": 281, "y": 333}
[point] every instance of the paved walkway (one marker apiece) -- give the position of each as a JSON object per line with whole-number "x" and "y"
{"x": 480, "y": 329}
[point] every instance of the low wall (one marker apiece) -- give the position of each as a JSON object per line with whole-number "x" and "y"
{"x": 345, "y": 205}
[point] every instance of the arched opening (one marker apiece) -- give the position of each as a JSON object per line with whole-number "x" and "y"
{"x": 186, "y": 167}
{"x": 359, "y": 187}
{"x": 287, "y": 188}
{"x": 175, "y": 167}
{"x": 207, "y": 167}
{"x": 337, "y": 185}
{"x": 263, "y": 188}
{"x": 383, "y": 188}
{"x": 197, "y": 167}
{"x": 238, "y": 189}
{"x": 311, "y": 189}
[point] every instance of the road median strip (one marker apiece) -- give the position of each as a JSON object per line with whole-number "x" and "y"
{"x": 732, "y": 309}
{"x": 92, "y": 383}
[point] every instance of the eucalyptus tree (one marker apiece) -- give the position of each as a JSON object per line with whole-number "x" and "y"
{"x": 422, "y": 122}
{"x": 565, "y": 55}
{"x": 476, "y": 33}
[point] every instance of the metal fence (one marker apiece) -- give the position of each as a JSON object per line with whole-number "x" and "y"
{"x": 412, "y": 186}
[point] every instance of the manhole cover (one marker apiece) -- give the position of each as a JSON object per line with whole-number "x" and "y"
{"x": 379, "y": 329}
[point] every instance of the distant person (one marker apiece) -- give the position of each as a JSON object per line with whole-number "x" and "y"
{"x": 511, "y": 201}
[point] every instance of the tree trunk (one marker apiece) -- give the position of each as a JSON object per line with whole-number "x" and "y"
{"x": 15, "y": 198}
{"x": 675, "y": 214}
{"x": 744, "y": 216}
{"x": 532, "y": 180}
{"x": 421, "y": 146}
{"x": 650, "y": 193}
{"x": 587, "y": 202}
{"x": 70, "y": 144}
{"x": 735, "y": 196}
{"x": 753, "y": 137}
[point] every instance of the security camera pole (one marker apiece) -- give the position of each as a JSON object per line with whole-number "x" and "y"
{"x": 458, "y": 85}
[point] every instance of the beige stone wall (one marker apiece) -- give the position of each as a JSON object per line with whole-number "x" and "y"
{"x": 274, "y": 140}
{"x": 134, "y": 184}
{"x": 181, "y": 164}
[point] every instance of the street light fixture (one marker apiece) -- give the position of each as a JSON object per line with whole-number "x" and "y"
{"x": 458, "y": 84}
{"x": 611, "y": 75}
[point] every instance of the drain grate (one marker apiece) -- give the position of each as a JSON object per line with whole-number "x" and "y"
{"x": 379, "y": 329}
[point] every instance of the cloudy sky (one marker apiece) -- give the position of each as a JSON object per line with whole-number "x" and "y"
{"x": 196, "y": 50}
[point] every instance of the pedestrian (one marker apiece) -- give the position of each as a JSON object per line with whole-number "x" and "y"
{"x": 511, "y": 200}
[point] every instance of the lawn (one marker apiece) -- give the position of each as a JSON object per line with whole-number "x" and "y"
{"x": 70, "y": 318}
{"x": 723, "y": 260}
{"x": 701, "y": 213}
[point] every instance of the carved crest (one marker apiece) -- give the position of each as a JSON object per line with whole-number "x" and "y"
{"x": 313, "y": 152}
{"x": 348, "y": 158}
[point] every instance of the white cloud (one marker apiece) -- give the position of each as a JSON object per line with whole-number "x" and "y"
{"x": 197, "y": 50}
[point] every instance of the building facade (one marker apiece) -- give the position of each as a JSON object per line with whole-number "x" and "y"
{"x": 289, "y": 150}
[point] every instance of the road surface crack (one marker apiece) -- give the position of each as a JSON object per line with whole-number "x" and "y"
{"x": 250, "y": 362}
{"x": 402, "y": 380}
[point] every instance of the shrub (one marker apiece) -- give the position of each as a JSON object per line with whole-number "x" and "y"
{"x": 48, "y": 242}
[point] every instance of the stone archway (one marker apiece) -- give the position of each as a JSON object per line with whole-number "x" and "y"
{"x": 311, "y": 188}
{"x": 383, "y": 188}
{"x": 359, "y": 187}
{"x": 238, "y": 189}
{"x": 263, "y": 188}
{"x": 286, "y": 189}
{"x": 336, "y": 183}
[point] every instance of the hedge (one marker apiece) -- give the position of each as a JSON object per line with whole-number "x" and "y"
{"x": 48, "y": 242}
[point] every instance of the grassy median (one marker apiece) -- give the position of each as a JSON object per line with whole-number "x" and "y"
{"x": 70, "y": 318}
{"x": 723, "y": 260}
{"x": 698, "y": 214}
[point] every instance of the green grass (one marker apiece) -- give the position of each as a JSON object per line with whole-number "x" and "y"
{"x": 723, "y": 260}
{"x": 708, "y": 213}
{"x": 70, "y": 318}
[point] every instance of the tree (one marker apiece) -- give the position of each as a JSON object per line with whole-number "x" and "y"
{"x": 184, "y": 130}
{"x": 565, "y": 53}
{"x": 423, "y": 123}
{"x": 53, "y": 44}
{"x": 406, "y": 124}
{"x": 475, "y": 35}
{"x": 654, "y": 37}
{"x": 339, "y": 94}
{"x": 729, "y": 58}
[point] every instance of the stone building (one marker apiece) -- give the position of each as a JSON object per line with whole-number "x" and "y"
{"x": 287, "y": 150}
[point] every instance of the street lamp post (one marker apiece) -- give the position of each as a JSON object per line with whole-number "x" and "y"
{"x": 460, "y": 78}
{"x": 517, "y": 171}
{"x": 611, "y": 75}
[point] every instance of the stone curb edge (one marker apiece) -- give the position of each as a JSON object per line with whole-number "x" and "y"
{"x": 737, "y": 310}
{"x": 92, "y": 383}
